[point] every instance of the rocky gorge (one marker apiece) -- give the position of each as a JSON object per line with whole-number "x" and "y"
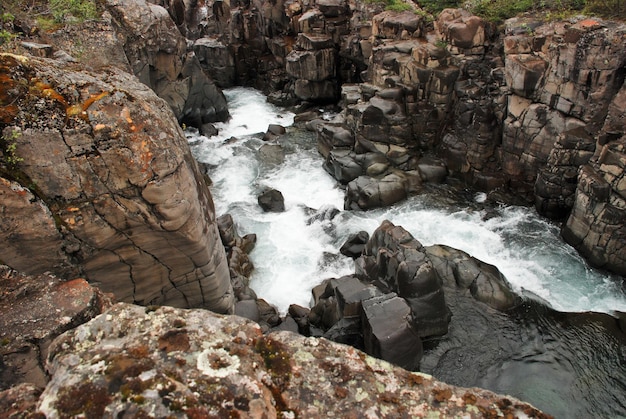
{"x": 99, "y": 183}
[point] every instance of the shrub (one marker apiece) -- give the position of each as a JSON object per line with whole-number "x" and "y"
{"x": 80, "y": 10}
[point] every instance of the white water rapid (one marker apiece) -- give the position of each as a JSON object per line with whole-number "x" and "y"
{"x": 293, "y": 255}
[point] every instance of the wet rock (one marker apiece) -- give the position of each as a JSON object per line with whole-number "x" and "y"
{"x": 366, "y": 192}
{"x": 272, "y": 154}
{"x": 397, "y": 262}
{"x": 273, "y": 132}
{"x": 224, "y": 366}
{"x": 355, "y": 244}
{"x": 272, "y": 201}
{"x": 388, "y": 331}
{"x": 485, "y": 282}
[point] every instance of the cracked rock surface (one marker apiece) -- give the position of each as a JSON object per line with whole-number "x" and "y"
{"x": 101, "y": 164}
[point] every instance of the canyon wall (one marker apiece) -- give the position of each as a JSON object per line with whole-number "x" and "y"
{"x": 530, "y": 110}
{"x": 98, "y": 181}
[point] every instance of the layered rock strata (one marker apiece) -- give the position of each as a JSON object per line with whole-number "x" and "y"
{"x": 114, "y": 194}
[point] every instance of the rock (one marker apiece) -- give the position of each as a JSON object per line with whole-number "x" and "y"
{"x": 272, "y": 201}
{"x": 463, "y": 30}
{"x": 397, "y": 262}
{"x": 484, "y": 281}
{"x": 157, "y": 53}
{"x": 21, "y": 402}
{"x": 272, "y": 154}
{"x": 248, "y": 309}
{"x": 224, "y": 366}
{"x": 596, "y": 226}
{"x": 33, "y": 311}
{"x": 393, "y": 25}
{"x": 556, "y": 182}
{"x": 131, "y": 209}
{"x": 388, "y": 331}
{"x": 366, "y": 192}
{"x": 354, "y": 244}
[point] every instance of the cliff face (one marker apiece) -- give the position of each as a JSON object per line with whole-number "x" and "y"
{"x": 116, "y": 195}
{"x": 531, "y": 110}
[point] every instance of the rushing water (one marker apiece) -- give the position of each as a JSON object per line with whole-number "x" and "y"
{"x": 292, "y": 255}
{"x": 569, "y": 365}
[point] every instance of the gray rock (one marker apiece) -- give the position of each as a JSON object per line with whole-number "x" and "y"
{"x": 272, "y": 201}
{"x": 388, "y": 331}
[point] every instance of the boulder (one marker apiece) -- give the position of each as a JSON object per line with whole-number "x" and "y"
{"x": 397, "y": 262}
{"x": 169, "y": 361}
{"x": 272, "y": 201}
{"x": 367, "y": 192}
{"x": 272, "y": 154}
{"x": 354, "y": 244}
{"x": 132, "y": 210}
{"x": 486, "y": 283}
{"x": 389, "y": 333}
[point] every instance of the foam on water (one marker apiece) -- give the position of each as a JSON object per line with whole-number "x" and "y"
{"x": 292, "y": 255}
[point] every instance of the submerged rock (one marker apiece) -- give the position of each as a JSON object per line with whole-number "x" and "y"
{"x": 193, "y": 363}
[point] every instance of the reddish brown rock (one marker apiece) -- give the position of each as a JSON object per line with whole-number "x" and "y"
{"x": 33, "y": 311}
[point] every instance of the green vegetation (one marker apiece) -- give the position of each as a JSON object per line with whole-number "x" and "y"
{"x": 394, "y": 5}
{"x": 5, "y": 35}
{"x": 9, "y": 143}
{"x": 499, "y": 10}
{"x": 72, "y": 10}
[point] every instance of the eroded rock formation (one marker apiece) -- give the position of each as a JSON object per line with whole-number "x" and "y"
{"x": 115, "y": 195}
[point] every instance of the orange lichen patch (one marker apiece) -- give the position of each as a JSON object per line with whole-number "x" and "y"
{"x": 81, "y": 108}
{"x": 588, "y": 23}
{"x": 174, "y": 340}
{"x": 85, "y": 398}
{"x": 46, "y": 90}
{"x": 441, "y": 395}
{"x": 415, "y": 379}
{"x": 469, "y": 398}
{"x": 8, "y": 109}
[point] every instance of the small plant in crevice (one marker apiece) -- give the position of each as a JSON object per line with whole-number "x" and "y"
{"x": 9, "y": 148}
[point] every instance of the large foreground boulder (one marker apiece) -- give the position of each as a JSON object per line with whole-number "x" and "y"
{"x": 99, "y": 162}
{"x": 131, "y": 361}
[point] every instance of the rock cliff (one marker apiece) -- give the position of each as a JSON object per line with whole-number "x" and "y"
{"x": 113, "y": 195}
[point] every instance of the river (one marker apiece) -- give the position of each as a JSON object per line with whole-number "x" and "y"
{"x": 293, "y": 253}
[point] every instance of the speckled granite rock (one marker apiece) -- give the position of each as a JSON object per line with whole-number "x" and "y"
{"x": 132, "y": 361}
